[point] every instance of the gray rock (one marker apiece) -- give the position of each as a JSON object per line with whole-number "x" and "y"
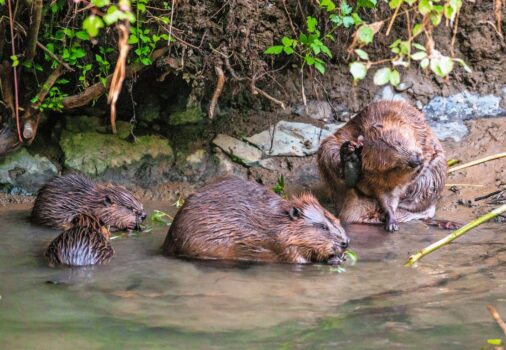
{"x": 388, "y": 93}
{"x": 292, "y": 138}
{"x": 227, "y": 167}
{"x": 318, "y": 110}
{"x": 269, "y": 164}
{"x": 447, "y": 114}
{"x": 23, "y": 173}
{"x": 238, "y": 150}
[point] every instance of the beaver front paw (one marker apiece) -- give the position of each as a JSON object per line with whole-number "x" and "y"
{"x": 351, "y": 162}
{"x": 391, "y": 224}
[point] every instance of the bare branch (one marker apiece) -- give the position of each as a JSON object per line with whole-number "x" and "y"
{"x": 33, "y": 34}
{"x": 217, "y": 91}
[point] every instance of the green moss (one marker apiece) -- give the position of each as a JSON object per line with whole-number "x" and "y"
{"x": 93, "y": 153}
{"x": 190, "y": 115}
{"x": 84, "y": 123}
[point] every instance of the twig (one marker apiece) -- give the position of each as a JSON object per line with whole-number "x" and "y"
{"x": 393, "y": 18}
{"x": 55, "y": 57}
{"x": 497, "y": 317}
{"x": 454, "y": 35}
{"x": 255, "y": 91}
{"x": 220, "y": 82}
{"x": 36, "y": 16}
{"x": 119, "y": 70}
{"x": 51, "y": 79}
{"x": 498, "y": 16}
{"x": 487, "y": 195}
{"x": 98, "y": 89}
{"x": 454, "y": 235}
{"x": 478, "y": 161}
{"x": 16, "y": 90}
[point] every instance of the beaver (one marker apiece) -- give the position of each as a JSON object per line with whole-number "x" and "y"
{"x": 234, "y": 219}
{"x": 403, "y": 165}
{"x": 85, "y": 243}
{"x": 61, "y": 199}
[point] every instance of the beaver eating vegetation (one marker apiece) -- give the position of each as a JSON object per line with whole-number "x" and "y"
{"x": 233, "y": 219}
{"x": 85, "y": 243}
{"x": 60, "y": 200}
{"x": 402, "y": 165}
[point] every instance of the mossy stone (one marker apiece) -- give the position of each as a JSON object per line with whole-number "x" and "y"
{"x": 190, "y": 115}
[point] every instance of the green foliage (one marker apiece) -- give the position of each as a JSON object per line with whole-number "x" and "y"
{"x": 160, "y": 218}
{"x": 279, "y": 187}
{"x": 312, "y": 46}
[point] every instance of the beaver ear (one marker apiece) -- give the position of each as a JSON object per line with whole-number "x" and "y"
{"x": 107, "y": 201}
{"x": 294, "y": 213}
{"x": 360, "y": 140}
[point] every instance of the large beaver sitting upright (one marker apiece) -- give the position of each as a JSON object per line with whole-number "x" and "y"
{"x": 61, "y": 199}
{"x": 403, "y": 166}
{"x": 234, "y": 219}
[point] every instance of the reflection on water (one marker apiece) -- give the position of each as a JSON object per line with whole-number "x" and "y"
{"x": 145, "y": 300}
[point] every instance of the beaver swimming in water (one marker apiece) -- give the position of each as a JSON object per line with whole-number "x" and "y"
{"x": 61, "y": 199}
{"x": 234, "y": 219}
{"x": 85, "y": 243}
{"x": 403, "y": 165}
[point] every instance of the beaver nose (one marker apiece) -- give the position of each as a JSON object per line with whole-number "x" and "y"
{"x": 345, "y": 244}
{"x": 415, "y": 161}
{"x": 143, "y": 216}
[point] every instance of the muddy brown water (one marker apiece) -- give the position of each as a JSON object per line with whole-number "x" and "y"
{"x": 145, "y": 300}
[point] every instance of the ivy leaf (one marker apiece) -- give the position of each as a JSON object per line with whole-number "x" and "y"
{"x": 345, "y": 8}
{"x": 417, "y": 29}
{"x": 336, "y": 19}
{"x": 436, "y": 15}
{"x": 395, "y": 3}
{"x": 395, "y": 78}
{"x": 420, "y": 55}
{"x": 287, "y": 41}
{"x": 100, "y": 3}
{"x": 365, "y": 34}
{"x": 382, "y": 76}
{"x": 356, "y": 19}
{"x": 92, "y": 25}
{"x": 348, "y": 21}
{"x": 309, "y": 60}
{"x": 358, "y": 70}
{"x": 328, "y": 4}
{"x": 82, "y": 35}
{"x": 362, "y": 54}
{"x": 274, "y": 50}
{"x": 132, "y": 39}
{"x": 424, "y": 63}
{"x": 419, "y": 47}
{"x": 288, "y": 50}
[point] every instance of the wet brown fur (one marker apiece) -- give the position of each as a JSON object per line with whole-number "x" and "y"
{"x": 234, "y": 219}
{"x": 60, "y": 200}
{"x": 85, "y": 243}
{"x": 394, "y": 134}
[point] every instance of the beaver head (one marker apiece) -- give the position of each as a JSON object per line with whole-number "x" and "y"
{"x": 313, "y": 234}
{"x": 390, "y": 149}
{"x": 92, "y": 222}
{"x": 118, "y": 208}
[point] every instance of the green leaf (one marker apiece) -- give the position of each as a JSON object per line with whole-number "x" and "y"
{"x": 351, "y": 257}
{"x": 274, "y": 50}
{"x": 368, "y": 4}
{"x": 420, "y": 55}
{"x": 288, "y": 50}
{"x": 92, "y": 25}
{"x": 362, "y": 54}
{"x": 395, "y": 78}
{"x": 356, "y": 19}
{"x": 165, "y": 19}
{"x": 424, "y": 63}
{"x": 348, "y": 21}
{"x": 345, "y": 8}
{"x": 337, "y": 20}
{"x": 436, "y": 15}
{"x": 419, "y": 47}
{"x": 100, "y": 3}
{"x": 405, "y": 48}
{"x": 78, "y": 53}
{"x": 358, "y": 70}
{"x": 394, "y": 3}
{"x": 494, "y": 341}
{"x": 463, "y": 64}
{"x": 320, "y": 66}
{"x": 309, "y": 60}
{"x": 311, "y": 24}
{"x": 328, "y": 4}
{"x": 424, "y": 7}
{"x": 382, "y": 76}
{"x": 81, "y": 34}
{"x": 326, "y": 51}
{"x": 287, "y": 41}
{"x": 15, "y": 61}
{"x": 365, "y": 34}
{"x": 316, "y": 48}
{"x": 410, "y": 2}
{"x": 303, "y": 38}
{"x": 417, "y": 29}
{"x": 442, "y": 66}
{"x": 62, "y": 81}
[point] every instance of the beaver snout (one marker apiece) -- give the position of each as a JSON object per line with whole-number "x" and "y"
{"x": 345, "y": 244}
{"x": 415, "y": 161}
{"x": 143, "y": 216}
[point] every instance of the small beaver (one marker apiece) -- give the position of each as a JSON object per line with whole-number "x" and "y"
{"x": 85, "y": 243}
{"x": 234, "y": 219}
{"x": 60, "y": 200}
{"x": 403, "y": 166}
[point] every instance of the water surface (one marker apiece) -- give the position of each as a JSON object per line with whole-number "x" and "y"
{"x": 145, "y": 300}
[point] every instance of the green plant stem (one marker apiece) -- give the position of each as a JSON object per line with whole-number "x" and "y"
{"x": 454, "y": 235}
{"x": 478, "y": 161}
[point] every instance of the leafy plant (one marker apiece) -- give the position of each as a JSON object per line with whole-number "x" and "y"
{"x": 279, "y": 187}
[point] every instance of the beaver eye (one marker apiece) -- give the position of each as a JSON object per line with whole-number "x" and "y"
{"x": 324, "y": 227}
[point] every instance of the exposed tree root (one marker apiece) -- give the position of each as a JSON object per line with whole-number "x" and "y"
{"x": 217, "y": 90}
